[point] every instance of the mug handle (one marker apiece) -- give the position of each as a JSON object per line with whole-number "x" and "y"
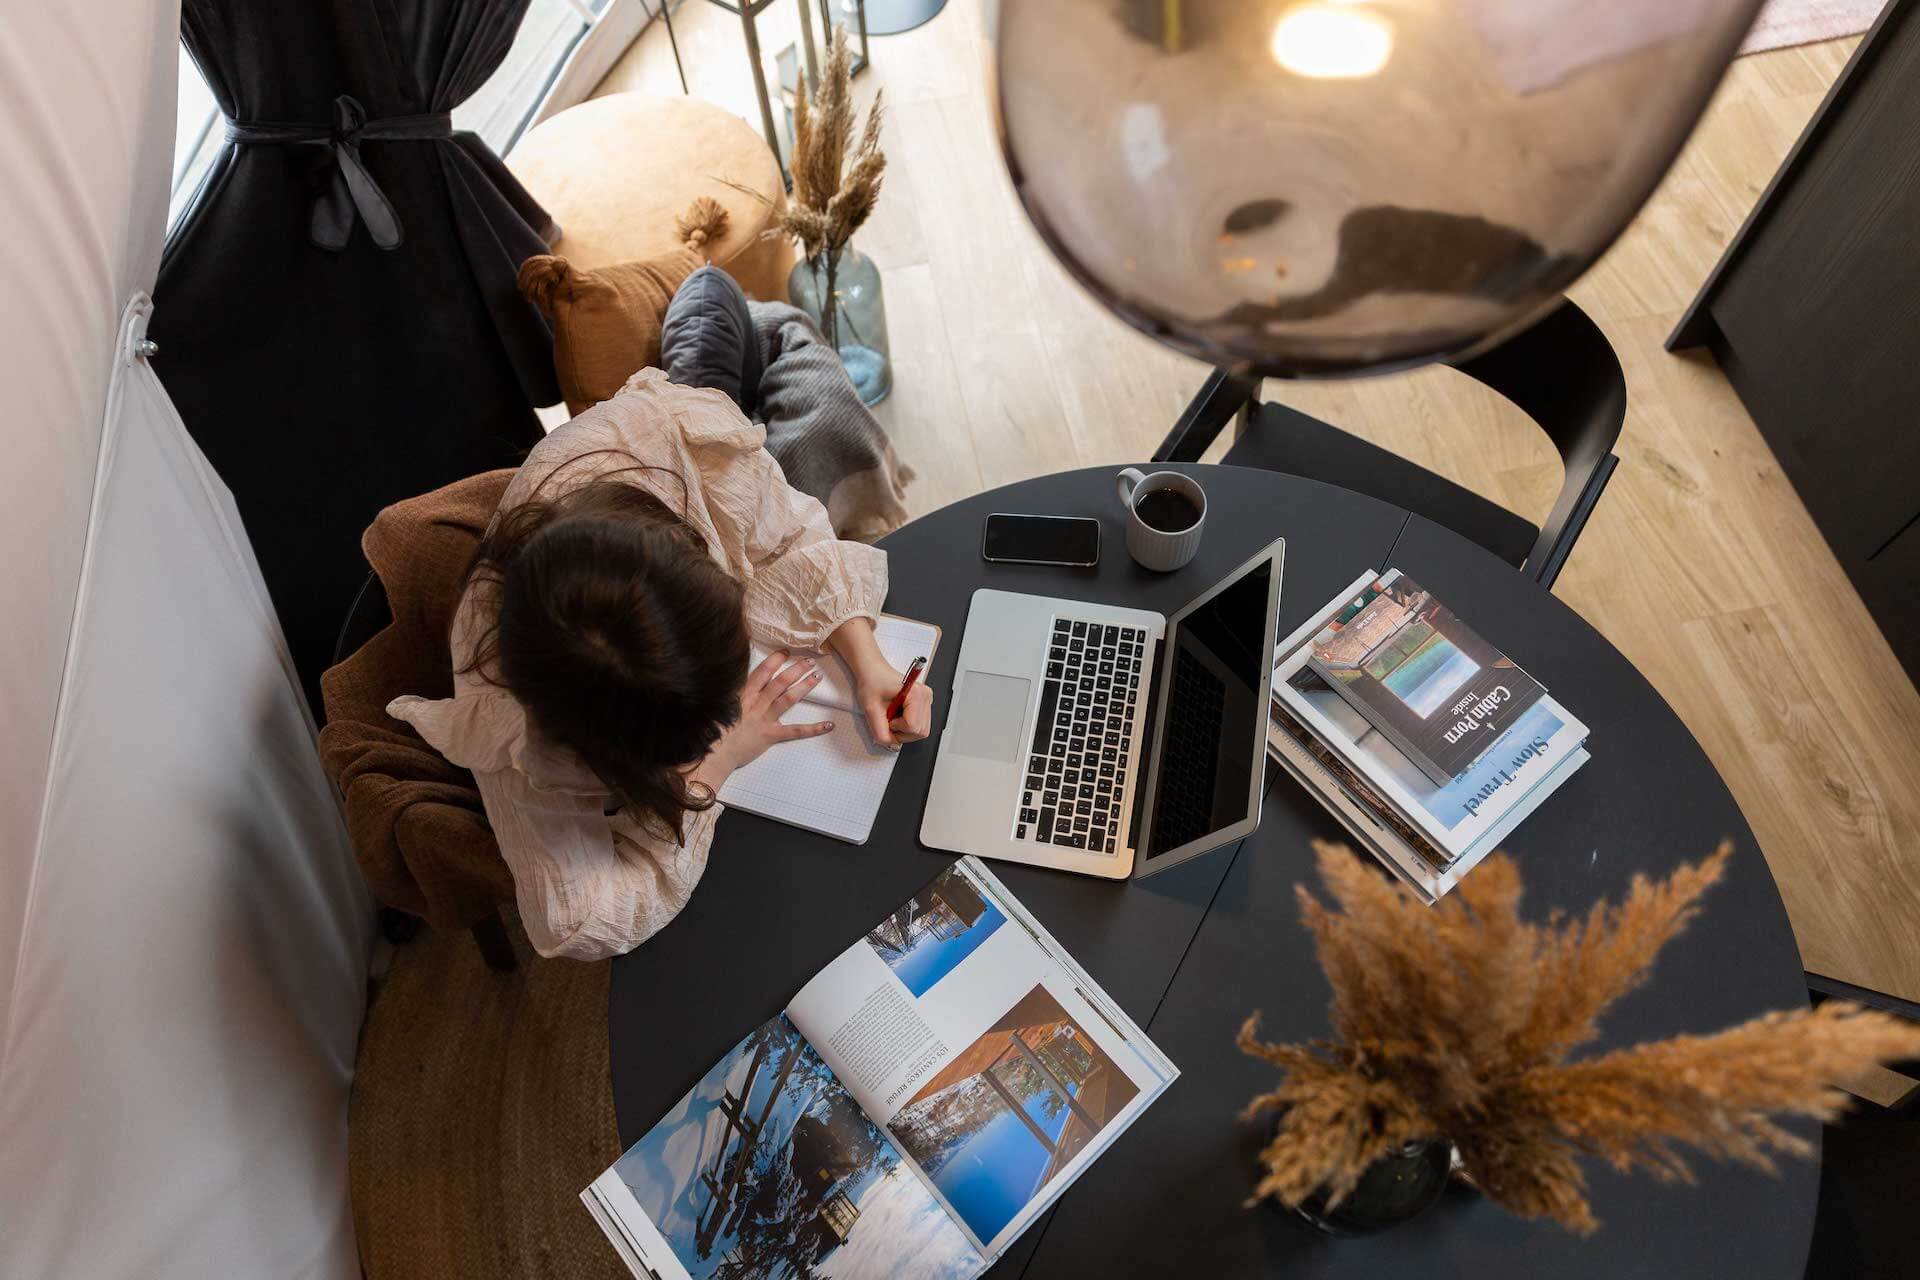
{"x": 1129, "y": 480}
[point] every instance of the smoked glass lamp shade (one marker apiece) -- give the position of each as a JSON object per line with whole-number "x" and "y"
{"x": 1316, "y": 187}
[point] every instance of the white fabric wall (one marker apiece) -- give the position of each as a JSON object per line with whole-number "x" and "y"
{"x": 183, "y": 936}
{"x": 86, "y": 125}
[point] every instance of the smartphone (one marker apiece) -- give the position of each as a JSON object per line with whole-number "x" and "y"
{"x": 1067, "y": 540}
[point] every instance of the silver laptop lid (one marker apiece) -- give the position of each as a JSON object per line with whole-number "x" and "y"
{"x": 1206, "y": 763}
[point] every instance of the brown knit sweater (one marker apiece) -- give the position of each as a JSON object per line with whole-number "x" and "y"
{"x": 416, "y": 821}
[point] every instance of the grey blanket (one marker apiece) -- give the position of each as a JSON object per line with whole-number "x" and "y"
{"x": 826, "y": 441}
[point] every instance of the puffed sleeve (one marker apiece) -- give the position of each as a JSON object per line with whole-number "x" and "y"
{"x": 590, "y": 885}
{"x": 801, "y": 581}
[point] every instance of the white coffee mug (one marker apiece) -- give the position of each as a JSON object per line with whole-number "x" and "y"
{"x": 1161, "y": 549}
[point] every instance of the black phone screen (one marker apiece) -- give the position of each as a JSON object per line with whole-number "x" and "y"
{"x": 1073, "y": 540}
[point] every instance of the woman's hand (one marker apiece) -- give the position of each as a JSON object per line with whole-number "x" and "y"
{"x": 875, "y": 687}
{"x": 875, "y": 684}
{"x": 768, "y": 694}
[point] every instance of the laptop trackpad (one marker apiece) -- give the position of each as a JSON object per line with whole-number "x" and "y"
{"x": 988, "y": 715}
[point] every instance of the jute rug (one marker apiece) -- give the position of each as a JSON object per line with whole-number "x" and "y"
{"x": 481, "y": 1106}
{"x": 1787, "y": 22}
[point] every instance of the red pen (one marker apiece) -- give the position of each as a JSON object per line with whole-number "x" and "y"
{"x": 899, "y": 702}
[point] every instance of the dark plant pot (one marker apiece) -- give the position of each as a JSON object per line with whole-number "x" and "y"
{"x": 1394, "y": 1188}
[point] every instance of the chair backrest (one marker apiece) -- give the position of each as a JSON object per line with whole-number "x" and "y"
{"x": 1562, "y": 372}
{"x": 368, "y": 613}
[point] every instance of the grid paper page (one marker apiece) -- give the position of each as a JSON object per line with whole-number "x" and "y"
{"x": 900, "y": 639}
{"x": 832, "y": 784}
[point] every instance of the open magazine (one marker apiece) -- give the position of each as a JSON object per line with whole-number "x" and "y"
{"x": 913, "y": 1109}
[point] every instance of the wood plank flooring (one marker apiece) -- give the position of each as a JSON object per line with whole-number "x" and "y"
{"x": 1700, "y": 564}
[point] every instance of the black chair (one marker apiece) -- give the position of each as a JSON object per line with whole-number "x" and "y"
{"x": 1561, "y": 372}
{"x": 366, "y": 617}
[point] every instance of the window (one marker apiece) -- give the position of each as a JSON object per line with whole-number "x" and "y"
{"x": 197, "y": 135}
{"x": 502, "y": 108}
{"x": 499, "y": 111}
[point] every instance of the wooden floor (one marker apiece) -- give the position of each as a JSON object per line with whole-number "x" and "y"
{"x": 1700, "y": 564}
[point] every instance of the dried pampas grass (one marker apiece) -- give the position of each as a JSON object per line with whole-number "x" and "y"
{"x": 836, "y": 181}
{"x": 1453, "y": 1022}
{"x": 834, "y": 189}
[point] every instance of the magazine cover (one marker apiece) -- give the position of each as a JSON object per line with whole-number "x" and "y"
{"x": 1381, "y": 831}
{"x": 1454, "y": 817}
{"x": 1420, "y": 675}
{"x": 913, "y": 1109}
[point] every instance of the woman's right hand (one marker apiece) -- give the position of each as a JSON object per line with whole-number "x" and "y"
{"x": 769, "y": 693}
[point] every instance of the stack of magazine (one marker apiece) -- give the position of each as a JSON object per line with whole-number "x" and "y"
{"x": 1427, "y": 743}
{"x": 918, "y": 1105}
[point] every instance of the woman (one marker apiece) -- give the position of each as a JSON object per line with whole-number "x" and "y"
{"x": 601, "y": 690}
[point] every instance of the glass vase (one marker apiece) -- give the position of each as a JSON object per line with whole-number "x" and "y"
{"x": 1400, "y": 1185}
{"x": 841, "y": 293}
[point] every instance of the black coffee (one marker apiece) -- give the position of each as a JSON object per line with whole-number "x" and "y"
{"x": 1167, "y": 510}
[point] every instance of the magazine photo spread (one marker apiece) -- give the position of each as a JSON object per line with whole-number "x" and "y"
{"x": 914, "y": 1108}
{"x": 1420, "y": 675}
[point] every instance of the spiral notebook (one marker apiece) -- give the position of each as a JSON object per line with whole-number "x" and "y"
{"x": 832, "y": 784}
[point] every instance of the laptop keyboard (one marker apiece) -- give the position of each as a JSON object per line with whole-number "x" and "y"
{"x": 1077, "y": 768}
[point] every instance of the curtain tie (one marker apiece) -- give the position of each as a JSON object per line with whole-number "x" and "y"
{"x": 352, "y": 191}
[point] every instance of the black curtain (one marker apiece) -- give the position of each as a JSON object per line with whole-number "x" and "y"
{"x": 336, "y": 314}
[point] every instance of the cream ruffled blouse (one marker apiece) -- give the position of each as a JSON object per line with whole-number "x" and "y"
{"x": 590, "y": 884}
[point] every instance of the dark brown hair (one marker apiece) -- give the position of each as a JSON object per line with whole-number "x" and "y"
{"x": 615, "y": 629}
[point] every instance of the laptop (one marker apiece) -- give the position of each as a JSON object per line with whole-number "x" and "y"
{"x": 1108, "y": 741}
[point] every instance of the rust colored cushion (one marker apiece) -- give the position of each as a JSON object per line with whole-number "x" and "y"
{"x": 606, "y": 321}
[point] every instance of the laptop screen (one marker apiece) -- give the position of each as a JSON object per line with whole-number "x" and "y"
{"x": 1210, "y": 699}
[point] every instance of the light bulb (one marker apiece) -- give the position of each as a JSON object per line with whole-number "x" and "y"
{"x": 1332, "y": 42}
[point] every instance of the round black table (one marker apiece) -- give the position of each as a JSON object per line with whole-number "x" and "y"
{"x": 1189, "y": 953}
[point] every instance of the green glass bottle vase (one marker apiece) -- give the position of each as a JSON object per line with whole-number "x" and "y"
{"x": 841, "y": 294}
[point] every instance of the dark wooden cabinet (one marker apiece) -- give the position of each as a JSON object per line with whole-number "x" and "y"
{"x": 1814, "y": 315}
